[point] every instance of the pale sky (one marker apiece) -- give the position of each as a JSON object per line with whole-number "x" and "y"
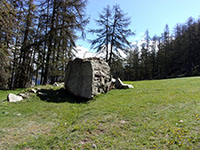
{"x": 145, "y": 14}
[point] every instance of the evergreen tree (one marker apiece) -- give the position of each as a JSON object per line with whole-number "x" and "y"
{"x": 101, "y": 43}
{"x": 23, "y": 75}
{"x": 114, "y": 32}
{"x": 7, "y": 27}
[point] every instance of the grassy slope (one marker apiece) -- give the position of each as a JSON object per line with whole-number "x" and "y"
{"x": 4, "y": 93}
{"x": 162, "y": 114}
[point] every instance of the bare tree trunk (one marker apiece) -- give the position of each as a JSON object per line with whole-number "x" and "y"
{"x": 50, "y": 46}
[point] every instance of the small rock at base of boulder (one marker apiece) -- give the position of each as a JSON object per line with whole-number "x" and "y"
{"x": 55, "y": 84}
{"x": 42, "y": 94}
{"x": 38, "y": 88}
{"x": 58, "y": 84}
{"x": 120, "y": 85}
{"x": 33, "y": 90}
{"x": 24, "y": 95}
{"x": 14, "y": 98}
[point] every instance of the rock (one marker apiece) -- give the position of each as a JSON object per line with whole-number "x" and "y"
{"x": 33, "y": 90}
{"x": 38, "y": 88}
{"x": 14, "y": 98}
{"x": 112, "y": 85}
{"x": 113, "y": 80}
{"x": 129, "y": 86}
{"x": 61, "y": 84}
{"x": 122, "y": 122}
{"x": 86, "y": 78}
{"x": 58, "y": 84}
{"x": 42, "y": 94}
{"x": 5, "y": 112}
{"x": 94, "y": 146}
{"x": 24, "y": 95}
{"x": 55, "y": 84}
{"x": 18, "y": 114}
{"x": 120, "y": 85}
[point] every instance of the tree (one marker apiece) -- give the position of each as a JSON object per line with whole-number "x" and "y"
{"x": 101, "y": 43}
{"x": 23, "y": 78}
{"x": 67, "y": 17}
{"x": 166, "y": 43}
{"x": 153, "y": 57}
{"x": 7, "y": 26}
{"x": 113, "y": 33}
{"x": 45, "y": 39}
{"x": 133, "y": 65}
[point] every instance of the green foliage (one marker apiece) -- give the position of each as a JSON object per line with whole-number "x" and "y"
{"x": 40, "y": 36}
{"x": 162, "y": 114}
{"x": 169, "y": 55}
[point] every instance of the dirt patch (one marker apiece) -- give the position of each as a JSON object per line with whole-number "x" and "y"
{"x": 13, "y": 136}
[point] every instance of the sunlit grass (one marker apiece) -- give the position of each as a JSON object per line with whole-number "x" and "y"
{"x": 162, "y": 114}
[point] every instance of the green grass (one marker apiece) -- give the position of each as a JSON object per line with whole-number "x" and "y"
{"x": 4, "y": 93}
{"x": 162, "y": 114}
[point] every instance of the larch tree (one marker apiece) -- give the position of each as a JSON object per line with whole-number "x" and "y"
{"x": 113, "y": 32}
{"x": 101, "y": 43}
{"x": 7, "y": 27}
{"x": 23, "y": 77}
{"x": 67, "y": 18}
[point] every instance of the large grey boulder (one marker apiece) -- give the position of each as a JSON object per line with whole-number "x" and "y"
{"x": 86, "y": 78}
{"x": 120, "y": 85}
{"x": 14, "y": 98}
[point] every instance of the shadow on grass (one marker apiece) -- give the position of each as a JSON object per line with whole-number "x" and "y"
{"x": 59, "y": 96}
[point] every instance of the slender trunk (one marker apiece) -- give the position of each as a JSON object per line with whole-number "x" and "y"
{"x": 50, "y": 46}
{"x": 112, "y": 42}
{"x": 42, "y": 63}
{"x": 165, "y": 63}
{"x": 107, "y": 40}
{"x": 153, "y": 69}
{"x": 14, "y": 66}
{"x": 146, "y": 72}
{"x": 23, "y": 78}
{"x": 53, "y": 65}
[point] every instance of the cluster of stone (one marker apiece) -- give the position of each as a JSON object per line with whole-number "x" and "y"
{"x": 21, "y": 96}
{"x": 84, "y": 78}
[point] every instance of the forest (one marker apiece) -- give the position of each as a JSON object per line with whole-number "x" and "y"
{"x": 39, "y": 37}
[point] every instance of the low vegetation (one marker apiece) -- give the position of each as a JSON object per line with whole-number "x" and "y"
{"x": 162, "y": 114}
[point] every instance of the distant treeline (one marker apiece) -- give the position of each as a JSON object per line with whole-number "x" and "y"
{"x": 171, "y": 55}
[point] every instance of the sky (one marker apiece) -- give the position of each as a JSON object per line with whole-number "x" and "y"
{"x": 145, "y": 14}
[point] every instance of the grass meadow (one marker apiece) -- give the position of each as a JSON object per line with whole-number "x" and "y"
{"x": 157, "y": 114}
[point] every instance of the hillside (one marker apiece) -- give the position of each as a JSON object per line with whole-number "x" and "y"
{"x": 160, "y": 114}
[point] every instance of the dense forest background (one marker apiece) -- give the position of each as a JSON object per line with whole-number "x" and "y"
{"x": 38, "y": 38}
{"x": 167, "y": 56}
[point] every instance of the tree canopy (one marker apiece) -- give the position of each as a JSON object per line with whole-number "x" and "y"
{"x": 113, "y": 32}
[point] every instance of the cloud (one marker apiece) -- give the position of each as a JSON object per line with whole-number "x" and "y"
{"x": 83, "y": 52}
